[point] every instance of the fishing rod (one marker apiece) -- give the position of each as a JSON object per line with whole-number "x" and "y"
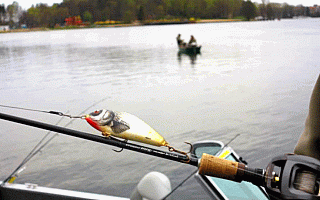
{"x": 287, "y": 177}
{"x": 109, "y": 141}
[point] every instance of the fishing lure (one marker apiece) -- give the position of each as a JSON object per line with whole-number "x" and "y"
{"x": 126, "y": 126}
{"x": 118, "y": 124}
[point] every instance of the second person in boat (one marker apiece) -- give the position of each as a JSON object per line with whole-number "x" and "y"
{"x": 192, "y": 41}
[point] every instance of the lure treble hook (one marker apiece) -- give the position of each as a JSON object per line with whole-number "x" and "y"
{"x": 172, "y": 149}
{"x": 118, "y": 151}
{"x": 191, "y": 146}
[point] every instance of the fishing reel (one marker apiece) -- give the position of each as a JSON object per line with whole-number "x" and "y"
{"x": 289, "y": 176}
{"x": 293, "y": 176}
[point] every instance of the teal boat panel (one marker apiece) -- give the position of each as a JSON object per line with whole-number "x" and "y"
{"x": 224, "y": 189}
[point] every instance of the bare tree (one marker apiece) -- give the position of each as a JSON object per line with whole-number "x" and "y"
{"x": 14, "y": 12}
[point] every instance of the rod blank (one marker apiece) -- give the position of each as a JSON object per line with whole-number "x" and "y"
{"x": 103, "y": 140}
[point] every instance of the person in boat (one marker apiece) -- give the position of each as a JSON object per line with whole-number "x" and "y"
{"x": 192, "y": 41}
{"x": 309, "y": 142}
{"x": 179, "y": 40}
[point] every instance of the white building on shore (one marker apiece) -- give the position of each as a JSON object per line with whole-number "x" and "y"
{"x": 4, "y": 28}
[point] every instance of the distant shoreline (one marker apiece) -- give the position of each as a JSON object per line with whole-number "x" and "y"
{"x": 21, "y": 30}
{"x": 218, "y": 20}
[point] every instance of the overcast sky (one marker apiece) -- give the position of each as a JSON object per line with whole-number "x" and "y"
{"x": 25, "y": 4}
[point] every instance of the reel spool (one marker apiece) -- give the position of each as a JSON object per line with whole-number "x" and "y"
{"x": 293, "y": 177}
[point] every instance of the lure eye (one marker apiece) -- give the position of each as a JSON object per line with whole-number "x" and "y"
{"x": 96, "y": 113}
{"x": 102, "y": 117}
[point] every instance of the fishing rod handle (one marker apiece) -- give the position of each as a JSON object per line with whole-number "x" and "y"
{"x": 218, "y": 167}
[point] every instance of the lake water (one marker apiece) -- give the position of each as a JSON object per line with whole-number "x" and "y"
{"x": 251, "y": 78}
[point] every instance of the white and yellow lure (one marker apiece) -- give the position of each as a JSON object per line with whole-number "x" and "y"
{"x": 126, "y": 126}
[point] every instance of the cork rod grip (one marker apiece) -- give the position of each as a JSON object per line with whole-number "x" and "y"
{"x": 221, "y": 168}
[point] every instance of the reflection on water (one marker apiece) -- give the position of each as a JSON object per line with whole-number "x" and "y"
{"x": 192, "y": 57}
{"x": 252, "y": 79}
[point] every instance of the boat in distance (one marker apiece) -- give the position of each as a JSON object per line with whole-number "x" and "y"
{"x": 193, "y": 49}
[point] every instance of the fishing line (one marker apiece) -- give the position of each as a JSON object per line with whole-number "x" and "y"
{"x": 226, "y": 145}
{"x": 32, "y": 153}
{"x": 43, "y": 111}
{"x": 36, "y": 150}
{"x": 232, "y": 139}
{"x": 179, "y": 185}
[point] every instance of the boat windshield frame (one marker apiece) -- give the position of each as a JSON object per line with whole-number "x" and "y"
{"x": 218, "y": 188}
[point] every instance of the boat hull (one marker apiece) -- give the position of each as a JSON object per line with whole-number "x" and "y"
{"x": 189, "y": 49}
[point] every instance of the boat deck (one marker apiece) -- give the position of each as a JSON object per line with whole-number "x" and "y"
{"x": 32, "y": 191}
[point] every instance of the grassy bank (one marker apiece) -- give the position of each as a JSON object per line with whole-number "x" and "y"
{"x": 218, "y": 20}
{"x": 121, "y": 25}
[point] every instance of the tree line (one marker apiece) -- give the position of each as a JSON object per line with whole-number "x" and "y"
{"x": 127, "y": 11}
